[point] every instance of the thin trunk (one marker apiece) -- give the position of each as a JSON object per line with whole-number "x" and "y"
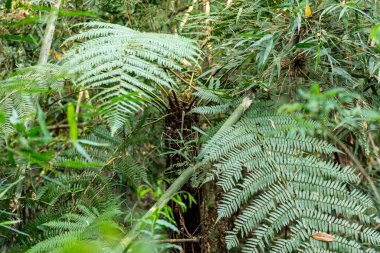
{"x": 178, "y": 131}
{"x": 186, "y": 16}
{"x": 49, "y": 33}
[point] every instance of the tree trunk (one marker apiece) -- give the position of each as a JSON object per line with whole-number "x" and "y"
{"x": 178, "y": 130}
{"x": 212, "y": 233}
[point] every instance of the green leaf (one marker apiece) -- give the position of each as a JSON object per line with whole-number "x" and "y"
{"x": 93, "y": 143}
{"x": 268, "y": 49}
{"x": 375, "y": 34}
{"x": 40, "y": 158}
{"x": 82, "y": 151}
{"x": 42, "y": 123}
{"x": 8, "y": 4}
{"x": 20, "y": 38}
{"x": 71, "y": 118}
{"x": 13, "y": 229}
{"x": 2, "y": 117}
{"x": 199, "y": 130}
{"x": 9, "y": 222}
{"x": 66, "y": 13}
{"x": 250, "y": 35}
{"x": 306, "y": 45}
{"x": 314, "y": 90}
{"x": 79, "y": 164}
{"x": 2, "y": 194}
{"x": 168, "y": 225}
{"x": 27, "y": 21}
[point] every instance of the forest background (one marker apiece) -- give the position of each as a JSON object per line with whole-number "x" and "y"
{"x": 189, "y": 126}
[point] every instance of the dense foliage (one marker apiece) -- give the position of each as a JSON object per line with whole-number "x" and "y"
{"x": 189, "y": 126}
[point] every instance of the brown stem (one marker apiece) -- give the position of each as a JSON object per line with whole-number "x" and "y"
{"x": 180, "y": 77}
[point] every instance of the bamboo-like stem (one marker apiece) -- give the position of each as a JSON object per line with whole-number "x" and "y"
{"x": 207, "y": 11}
{"x": 49, "y": 32}
{"x": 229, "y": 3}
{"x": 179, "y": 182}
{"x": 187, "y": 14}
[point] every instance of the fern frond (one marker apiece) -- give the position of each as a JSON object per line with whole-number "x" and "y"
{"x": 275, "y": 179}
{"x": 73, "y": 227}
{"x": 19, "y": 93}
{"x": 125, "y": 66}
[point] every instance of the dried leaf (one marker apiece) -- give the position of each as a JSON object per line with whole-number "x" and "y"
{"x": 324, "y": 237}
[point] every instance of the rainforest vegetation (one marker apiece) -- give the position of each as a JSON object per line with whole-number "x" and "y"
{"x": 189, "y": 126}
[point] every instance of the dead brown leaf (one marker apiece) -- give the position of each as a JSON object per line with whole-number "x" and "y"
{"x": 324, "y": 237}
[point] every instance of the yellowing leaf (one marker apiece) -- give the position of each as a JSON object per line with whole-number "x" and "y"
{"x": 307, "y": 11}
{"x": 324, "y": 237}
{"x": 57, "y": 55}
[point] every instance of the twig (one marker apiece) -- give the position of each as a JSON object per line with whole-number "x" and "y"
{"x": 193, "y": 240}
{"x": 64, "y": 126}
{"x": 181, "y": 77}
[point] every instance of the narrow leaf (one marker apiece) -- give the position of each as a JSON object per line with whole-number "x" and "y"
{"x": 71, "y": 118}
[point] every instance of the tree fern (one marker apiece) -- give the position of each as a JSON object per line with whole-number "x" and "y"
{"x": 124, "y": 66}
{"x": 284, "y": 191}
